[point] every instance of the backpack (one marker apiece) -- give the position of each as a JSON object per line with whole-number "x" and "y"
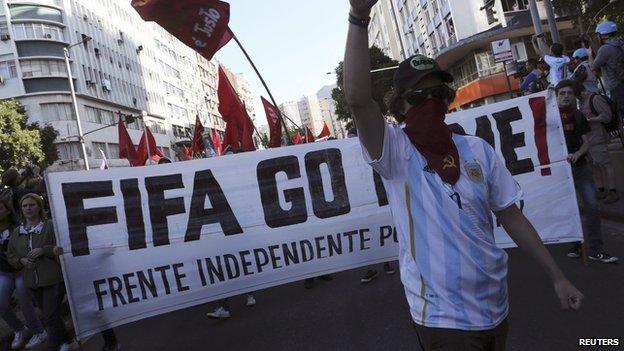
{"x": 613, "y": 125}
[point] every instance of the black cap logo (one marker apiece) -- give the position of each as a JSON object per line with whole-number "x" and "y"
{"x": 422, "y": 63}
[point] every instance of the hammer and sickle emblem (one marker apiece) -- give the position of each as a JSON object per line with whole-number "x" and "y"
{"x": 449, "y": 162}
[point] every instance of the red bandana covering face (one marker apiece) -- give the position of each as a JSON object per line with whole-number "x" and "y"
{"x": 425, "y": 127}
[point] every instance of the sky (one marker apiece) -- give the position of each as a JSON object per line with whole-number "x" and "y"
{"x": 293, "y": 44}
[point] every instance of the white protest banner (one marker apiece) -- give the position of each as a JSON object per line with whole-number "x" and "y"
{"x": 148, "y": 240}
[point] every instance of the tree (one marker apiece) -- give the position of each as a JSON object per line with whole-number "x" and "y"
{"x": 381, "y": 83}
{"x": 18, "y": 145}
{"x": 587, "y": 10}
{"x": 47, "y": 134}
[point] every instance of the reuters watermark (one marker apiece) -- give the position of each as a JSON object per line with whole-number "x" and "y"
{"x": 599, "y": 342}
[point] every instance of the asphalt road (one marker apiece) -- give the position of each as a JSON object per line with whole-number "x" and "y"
{"x": 344, "y": 314}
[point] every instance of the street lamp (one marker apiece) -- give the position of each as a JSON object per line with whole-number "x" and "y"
{"x": 74, "y": 101}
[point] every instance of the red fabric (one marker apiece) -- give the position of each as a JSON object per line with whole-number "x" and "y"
{"x": 425, "y": 127}
{"x": 297, "y": 138}
{"x": 309, "y": 136}
{"x": 274, "y": 117}
{"x": 324, "y": 132}
{"x": 198, "y": 139}
{"x": 248, "y": 130}
{"x": 233, "y": 112}
{"x": 126, "y": 148}
{"x": 187, "y": 153}
{"x": 200, "y": 24}
{"x": 216, "y": 141}
{"x": 147, "y": 140}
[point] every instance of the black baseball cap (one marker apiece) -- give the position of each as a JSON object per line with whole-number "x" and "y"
{"x": 415, "y": 68}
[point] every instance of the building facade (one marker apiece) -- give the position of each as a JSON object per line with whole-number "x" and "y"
{"x": 127, "y": 66}
{"x": 458, "y": 33}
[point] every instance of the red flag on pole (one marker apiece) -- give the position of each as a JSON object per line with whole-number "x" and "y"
{"x": 273, "y": 116}
{"x": 216, "y": 141}
{"x": 147, "y": 140}
{"x": 187, "y": 153}
{"x": 248, "y": 129}
{"x": 200, "y": 24}
{"x": 198, "y": 139}
{"x": 309, "y": 136}
{"x": 233, "y": 112}
{"x": 297, "y": 138}
{"x": 324, "y": 132}
{"x": 126, "y": 148}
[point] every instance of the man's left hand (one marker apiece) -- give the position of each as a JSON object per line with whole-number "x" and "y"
{"x": 35, "y": 253}
{"x": 568, "y": 295}
{"x": 572, "y": 158}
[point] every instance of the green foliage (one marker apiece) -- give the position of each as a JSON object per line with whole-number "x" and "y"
{"x": 381, "y": 83}
{"x": 47, "y": 134}
{"x": 18, "y": 145}
{"x": 587, "y": 10}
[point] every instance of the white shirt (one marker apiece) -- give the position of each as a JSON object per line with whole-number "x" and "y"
{"x": 453, "y": 273}
{"x": 558, "y": 69}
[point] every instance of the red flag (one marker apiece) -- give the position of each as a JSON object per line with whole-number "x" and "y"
{"x": 126, "y": 148}
{"x": 200, "y": 24}
{"x": 274, "y": 117}
{"x": 309, "y": 136}
{"x": 233, "y": 112}
{"x": 142, "y": 149}
{"x": 248, "y": 129}
{"x": 216, "y": 141}
{"x": 198, "y": 139}
{"x": 187, "y": 153}
{"x": 324, "y": 132}
{"x": 297, "y": 138}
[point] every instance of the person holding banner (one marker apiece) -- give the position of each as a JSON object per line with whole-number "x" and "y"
{"x": 32, "y": 247}
{"x": 442, "y": 189}
{"x": 11, "y": 279}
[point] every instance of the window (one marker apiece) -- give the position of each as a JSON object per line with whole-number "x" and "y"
{"x": 96, "y": 150}
{"x": 35, "y": 12}
{"x": 176, "y": 111}
{"x": 167, "y": 152}
{"x": 157, "y": 127}
{"x": 8, "y": 70}
{"x": 113, "y": 150}
{"x": 96, "y": 115}
{"x": 37, "y": 31}
{"x": 43, "y": 68}
{"x": 68, "y": 151}
{"x": 58, "y": 112}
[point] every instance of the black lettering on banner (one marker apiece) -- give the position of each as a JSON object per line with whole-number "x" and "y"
{"x": 364, "y": 239}
{"x": 147, "y": 282}
{"x": 79, "y": 218}
{"x": 161, "y": 208}
{"x": 511, "y": 141}
{"x": 340, "y": 204}
{"x": 456, "y": 128}
{"x": 134, "y": 213}
{"x": 350, "y": 236}
{"x": 129, "y": 287}
{"x": 261, "y": 263}
{"x": 306, "y": 255}
{"x": 163, "y": 274}
{"x": 320, "y": 248}
{"x": 115, "y": 286}
{"x": 380, "y": 190}
{"x": 385, "y": 232}
{"x": 215, "y": 270}
{"x": 179, "y": 276}
{"x": 200, "y": 270}
{"x": 245, "y": 262}
{"x": 484, "y": 130}
{"x": 274, "y": 256}
{"x": 231, "y": 266}
{"x": 290, "y": 254}
{"x": 99, "y": 293}
{"x": 274, "y": 215}
{"x": 204, "y": 185}
{"x": 335, "y": 246}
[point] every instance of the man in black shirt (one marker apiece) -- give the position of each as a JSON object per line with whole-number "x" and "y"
{"x": 575, "y": 128}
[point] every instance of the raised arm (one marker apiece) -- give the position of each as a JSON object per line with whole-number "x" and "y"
{"x": 357, "y": 82}
{"x": 540, "y": 46}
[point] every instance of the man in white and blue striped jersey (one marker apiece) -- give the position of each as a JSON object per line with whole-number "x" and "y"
{"x": 442, "y": 189}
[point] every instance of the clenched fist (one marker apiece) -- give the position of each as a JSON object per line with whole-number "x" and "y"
{"x": 362, "y": 8}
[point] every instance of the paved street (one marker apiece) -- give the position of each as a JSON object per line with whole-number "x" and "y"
{"x": 346, "y": 315}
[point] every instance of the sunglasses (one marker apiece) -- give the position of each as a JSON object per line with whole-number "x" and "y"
{"x": 417, "y": 97}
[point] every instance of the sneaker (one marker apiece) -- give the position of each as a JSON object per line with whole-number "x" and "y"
{"x": 369, "y": 276}
{"x": 19, "y": 339}
{"x": 600, "y": 195}
{"x": 72, "y": 345}
{"x": 36, "y": 340}
{"x": 575, "y": 251}
{"x": 389, "y": 269}
{"x": 603, "y": 257}
{"x": 611, "y": 198}
{"x": 219, "y": 313}
{"x": 308, "y": 283}
{"x": 250, "y": 301}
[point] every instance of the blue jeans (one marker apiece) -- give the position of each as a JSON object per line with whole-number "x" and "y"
{"x": 8, "y": 283}
{"x": 585, "y": 188}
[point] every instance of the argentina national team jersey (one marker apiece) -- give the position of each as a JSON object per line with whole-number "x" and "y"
{"x": 453, "y": 273}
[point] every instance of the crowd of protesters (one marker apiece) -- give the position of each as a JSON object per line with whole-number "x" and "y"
{"x": 30, "y": 267}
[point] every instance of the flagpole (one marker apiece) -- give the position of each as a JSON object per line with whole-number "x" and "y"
{"x": 149, "y": 152}
{"x": 265, "y": 87}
